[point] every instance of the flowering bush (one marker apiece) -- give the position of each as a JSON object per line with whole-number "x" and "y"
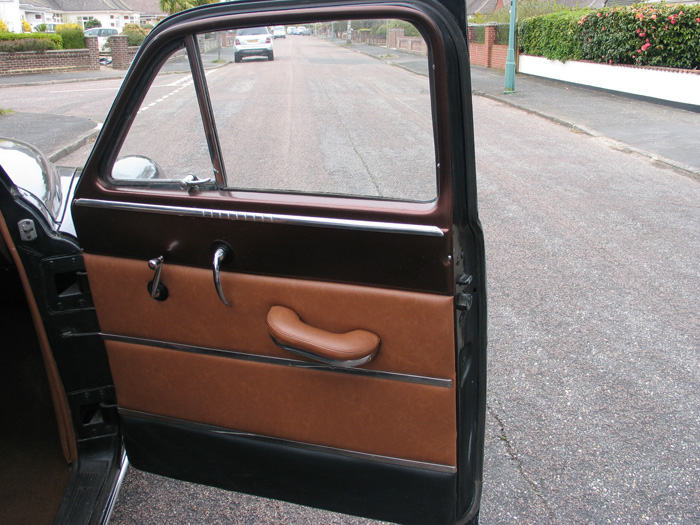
{"x": 643, "y": 34}
{"x": 3, "y": 26}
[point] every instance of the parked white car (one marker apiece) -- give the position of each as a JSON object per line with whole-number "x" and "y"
{"x": 102, "y": 34}
{"x": 253, "y": 41}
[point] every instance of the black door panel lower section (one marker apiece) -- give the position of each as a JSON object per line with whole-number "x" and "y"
{"x": 307, "y": 477}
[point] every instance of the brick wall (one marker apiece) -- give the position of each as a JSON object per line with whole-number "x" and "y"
{"x": 122, "y": 54}
{"x": 488, "y": 54}
{"x": 52, "y": 61}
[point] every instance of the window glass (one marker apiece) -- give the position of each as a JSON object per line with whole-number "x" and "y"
{"x": 313, "y": 113}
{"x": 316, "y": 109}
{"x": 167, "y": 130}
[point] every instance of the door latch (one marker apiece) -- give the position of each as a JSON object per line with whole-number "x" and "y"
{"x": 157, "y": 289}
{"x": 27, "y": 230}
{"x": 463, "y": 299}
{"x": 192, "y": 183}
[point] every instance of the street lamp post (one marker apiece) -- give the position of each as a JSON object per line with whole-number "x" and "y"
{"x": 510, "y": 58}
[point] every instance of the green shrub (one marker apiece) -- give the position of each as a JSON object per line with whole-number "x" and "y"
{"x": 643, "y": 34}
{"x": 134, "y": 33}
{"x": 72, "y": 35}
{"x": 556, "y": 36}
{"x": 41, "y": 28}
{"x": 55, "y": 39}
{"x": 26, "y": 44}
{"x": 93, "y": 22}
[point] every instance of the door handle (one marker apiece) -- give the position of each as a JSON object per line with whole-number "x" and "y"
{"x": 350, "y": 349}
{"x": 222, "y": 253}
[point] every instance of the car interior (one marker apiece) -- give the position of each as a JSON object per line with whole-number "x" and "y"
{"x": 34, "y": 472}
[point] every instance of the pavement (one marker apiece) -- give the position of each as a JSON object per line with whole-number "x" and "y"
{"x": 667, "y": 134}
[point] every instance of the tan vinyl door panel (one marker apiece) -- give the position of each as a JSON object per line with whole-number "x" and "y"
{"x": 360, "y": 413}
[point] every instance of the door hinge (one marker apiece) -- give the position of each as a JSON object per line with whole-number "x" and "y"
{"x": 463, "y": 299}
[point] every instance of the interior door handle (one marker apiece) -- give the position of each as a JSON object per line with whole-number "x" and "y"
{"x": 222, "y": 253}
{"x": 347, "y": 350}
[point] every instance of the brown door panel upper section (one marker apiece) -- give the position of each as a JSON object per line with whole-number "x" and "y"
{"x": 416, "y": 330}
{"x": 362, "y": 414}
{"x": 395, "y": 260}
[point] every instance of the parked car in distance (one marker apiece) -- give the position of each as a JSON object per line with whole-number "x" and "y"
{"x": 102, "y": 34}
{"x": 253, "y": 41}
{"x": 303, "y": 30}
{"x": 279, "y": 32}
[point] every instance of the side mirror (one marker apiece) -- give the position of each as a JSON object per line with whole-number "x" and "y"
{"x": 135, "y": 167}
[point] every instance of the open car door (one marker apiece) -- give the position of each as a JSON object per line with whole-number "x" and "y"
{"x": 286, "y": 261}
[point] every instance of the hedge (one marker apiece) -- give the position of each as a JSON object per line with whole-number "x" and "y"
{"x": 642, "y": 34}
{"x": 52, "y": 37}
{"x": 556, "y": 36}
{"x": 73, "y": 36}
{"x": 26, "y": 44}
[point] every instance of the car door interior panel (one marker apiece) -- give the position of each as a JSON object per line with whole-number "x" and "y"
{"x": 415, "y": 329}
{"x": 275, "y": 283}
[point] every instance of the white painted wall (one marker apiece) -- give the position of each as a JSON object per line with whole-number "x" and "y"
{"x": 11, "y": 15}
{"x": 673, "y": 86}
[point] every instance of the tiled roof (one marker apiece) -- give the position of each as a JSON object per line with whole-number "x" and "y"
{"x": 150, "y": 7}
{"x": 85, "y": 6}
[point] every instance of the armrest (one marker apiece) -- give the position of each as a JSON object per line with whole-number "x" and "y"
{"x": 349, "y": 349}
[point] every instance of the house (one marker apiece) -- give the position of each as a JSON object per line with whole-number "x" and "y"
{"x": 150, "y": 10}
{"x": 110, "y": 13}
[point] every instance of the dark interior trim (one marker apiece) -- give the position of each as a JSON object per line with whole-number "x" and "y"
{"x": 270, "y": 218}
{"x": 422, "y": 465}
{"x": 307, "y": 477}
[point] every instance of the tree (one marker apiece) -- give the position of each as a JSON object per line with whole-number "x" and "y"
{"x": 175, "y": 6}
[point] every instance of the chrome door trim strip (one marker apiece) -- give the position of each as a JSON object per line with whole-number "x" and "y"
{"x": 389, "y": 460}
{"x": 270, "y": 218}
{"x": 243, "y": 356}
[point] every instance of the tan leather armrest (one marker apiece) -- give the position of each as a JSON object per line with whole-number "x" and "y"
{"x": 349, "y": 349}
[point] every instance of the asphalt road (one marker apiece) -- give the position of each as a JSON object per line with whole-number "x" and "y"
{"x": 594, "y": 341}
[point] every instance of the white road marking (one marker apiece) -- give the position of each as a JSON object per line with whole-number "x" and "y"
{"x": 183, "y": 83}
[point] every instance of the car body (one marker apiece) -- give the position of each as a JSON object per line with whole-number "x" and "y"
{"x": 253, "y": 41}
{"x": 279, "y": 32}
{"x": 102, "y": 34}
{"x": 317, "y": 337}
{"x": 303, "y": 30}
